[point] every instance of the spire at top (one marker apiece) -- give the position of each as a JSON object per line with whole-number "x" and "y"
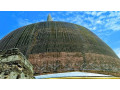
{"x": 49, "y": 18}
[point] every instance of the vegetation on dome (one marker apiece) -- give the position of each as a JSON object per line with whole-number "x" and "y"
{"x": 42, "y": 43}
{"x": 55, "y": 37}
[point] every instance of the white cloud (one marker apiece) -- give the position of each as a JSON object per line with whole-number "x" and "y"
{"x": 95, "y": 13}
{"x": 99, "y": 13}
{"x": 117, "y": 50}
{"x": 112, "y": 24}
{"x": 70, "y": 12}
{"x": 91, "y": 12}
{"x": 98, "y": 22}
{"x": 94, "y": 28}
{"x": 114, "y": 13}
{"x": 93, "y": 20}
{"x": 23, "y": 22}
{"x": 109, "y": 21}
{"x": 102, "y": 20}
{"x": 102, "y": 17}
{"x": 42, "y": 20}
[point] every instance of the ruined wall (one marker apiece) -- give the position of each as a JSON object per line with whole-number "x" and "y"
{"x": 13, "y": 65}
{"x": 55, "y": 62}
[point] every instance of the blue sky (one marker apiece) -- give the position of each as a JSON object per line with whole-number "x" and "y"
{"x": 105, "y": 24}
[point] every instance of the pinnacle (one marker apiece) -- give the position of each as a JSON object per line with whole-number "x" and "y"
{"x": 49, "y": 18}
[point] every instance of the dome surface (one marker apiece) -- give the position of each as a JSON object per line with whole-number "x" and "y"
{"x": 60, "y": 47}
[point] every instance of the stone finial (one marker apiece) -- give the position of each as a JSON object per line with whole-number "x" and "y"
{"x": 49, "y": 18}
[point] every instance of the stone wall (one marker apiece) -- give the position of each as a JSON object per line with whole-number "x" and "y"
{"x": 14, "y": 65}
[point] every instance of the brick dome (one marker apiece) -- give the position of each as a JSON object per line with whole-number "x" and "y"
{"x": 53, "y": 46}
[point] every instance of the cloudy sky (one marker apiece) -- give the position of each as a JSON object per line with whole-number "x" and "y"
{"x": 105, "y": 24}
